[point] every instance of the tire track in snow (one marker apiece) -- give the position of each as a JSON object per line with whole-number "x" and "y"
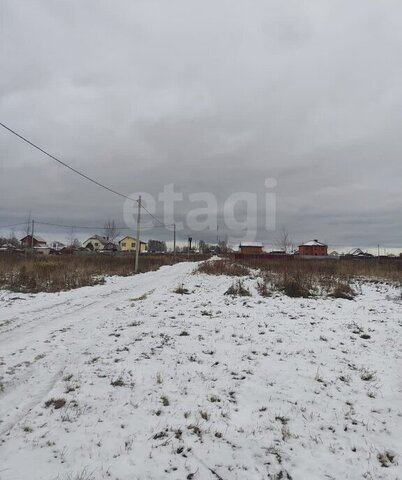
{"x": 25, "y": 390}
{"x": 16, "y": 404}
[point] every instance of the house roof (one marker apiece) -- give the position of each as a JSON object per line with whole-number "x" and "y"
{"x": 59, "y": 244}
{"x": 251, "y": 244}
{"x": 313, "y": 243}
{"x": 100, "y": 239}
{"x": 355, "y": 251}
{"x": 36, "y": 237}
{"x": 358, "y": 252}
{"x": 132, "y": 238}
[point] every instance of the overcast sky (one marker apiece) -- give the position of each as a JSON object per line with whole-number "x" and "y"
{"x": 211, "y": 96}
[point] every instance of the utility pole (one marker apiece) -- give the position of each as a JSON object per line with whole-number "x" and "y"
{"x": 32, "y": 234}
{"x": 174, "y": 242}
{"x": 190, "y": 239}
{"x": 378, "y": 250}
{"x": 138, "y": 244}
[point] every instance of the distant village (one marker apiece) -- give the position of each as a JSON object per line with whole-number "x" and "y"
{"x": 128, "y": 245}
{"x": 94, "y": 244}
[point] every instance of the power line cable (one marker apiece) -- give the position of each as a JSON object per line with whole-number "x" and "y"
{"x": 14, "y": 225}
{"x": 84, "y": 227}
{"x": 94, "y": 227}
{"x": 66, "y": 165}
{"x": 78, "y": 227}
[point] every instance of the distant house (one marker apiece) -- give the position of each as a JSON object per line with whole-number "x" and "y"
{"x": 128, "y": 244}
{"x": 7, "y": 246}
{"x": 251, "y": 248}
{"x": 36, "y": 241}
{"x": 96, "y": 243}
{"x": 313, "y": 248}
{"x": 57, "y": 246}
{"x": 358, "y": 253}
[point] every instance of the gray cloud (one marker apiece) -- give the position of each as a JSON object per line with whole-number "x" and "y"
{"x": 211, "y": 96}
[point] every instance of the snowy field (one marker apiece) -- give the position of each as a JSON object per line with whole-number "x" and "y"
{"x": 130, "y": 380}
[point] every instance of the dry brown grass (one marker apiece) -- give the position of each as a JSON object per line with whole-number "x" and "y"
{"x": 382, "y": 270}
{"x": 303, "y": 278}
{"x": 37, "y": 273}
{"x": 223, "y": 267}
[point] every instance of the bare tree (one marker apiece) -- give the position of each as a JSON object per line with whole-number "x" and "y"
{"x": 110, "y": 230}
{"x": 283, "y": 241}
{"x": 156, "y": 246}
{"x": 12, "y": 239}
{"x": 203, "y": 247}
{"x": 222, "y": 246}
{"x": 75, "y": 243}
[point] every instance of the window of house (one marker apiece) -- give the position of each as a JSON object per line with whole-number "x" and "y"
{"x": 124, "y": 244}
{"x": 133, "y": 244}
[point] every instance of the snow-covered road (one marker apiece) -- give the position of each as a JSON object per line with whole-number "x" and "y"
{"x": 152, "y": 384}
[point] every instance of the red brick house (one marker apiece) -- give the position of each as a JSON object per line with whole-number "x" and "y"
{"x": 314, "y": 248}
{"x": 37, "y": 241}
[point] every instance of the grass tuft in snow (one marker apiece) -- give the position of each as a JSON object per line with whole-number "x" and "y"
{"x": 343, "y": 290}
{"x": 83, "y": 475}
{"x": 165, "y": 401}
{"x": 195, "y": 429}
{"x": 295, "y": 286}
{"x": 386, "y": 458}
{"x": 238, "y": 289}
{"x": 135, "y": 323}
{"x": 204, "y": 415}
{"x": 119, "y": 382}
{"x": 56, "y": 403}
{"x": 181, "y": 290}
{"x": 367, "y": 375}
{"x": 262, "y": 289}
